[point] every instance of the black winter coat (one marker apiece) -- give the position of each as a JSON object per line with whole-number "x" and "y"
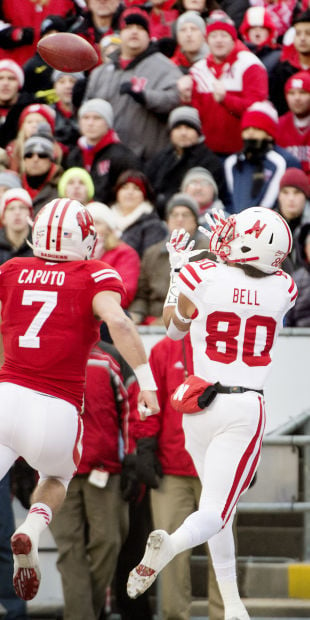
{"x": 144, "y": 232}
{"x": 7, "y": 252}
{"x": 299, "y": 315}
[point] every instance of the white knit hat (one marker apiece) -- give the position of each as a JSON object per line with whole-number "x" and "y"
{"x": 98, "y": 106}
{"x": 17, "y": 193}
{"x": 10, "y": 65}
{"x": 101, "y": 212}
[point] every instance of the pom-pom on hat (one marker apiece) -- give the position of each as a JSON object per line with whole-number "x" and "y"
{"x": 98, "y": 106}
{"x": 12, "y": 66}
{"x": 72, "y": 173}
{"x": 135, "y": 15}
{"x": 39, "y": 108}
{"x": 294, "y": 177}
{"x": 183, "y": 200}
{"x": 102, "y": 213}
{"x": 300, "y": 80}
{"x": 219, "y": 20}
{"x": 15, "y": 194}
{"x": 184, "y": 115}
{"x": 257, "y": 16}
{"x": 191, "y": 17}
{"x": 261, "y": 115}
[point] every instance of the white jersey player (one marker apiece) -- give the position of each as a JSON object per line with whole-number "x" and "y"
{"x": 233, "y": 309}
{"x": 52, "y": 305}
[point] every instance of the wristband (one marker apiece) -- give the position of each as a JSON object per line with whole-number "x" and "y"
{"x": 180, "y": 317}
{"x": 145, "y": 377}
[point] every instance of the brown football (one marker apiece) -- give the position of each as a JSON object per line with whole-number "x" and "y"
{"x": 67, "y": 52}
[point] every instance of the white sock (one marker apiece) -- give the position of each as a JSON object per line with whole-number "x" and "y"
{"x": 231, "y": 599}
{"x": 37, "y": 520}
{"x": 195, "y": 530}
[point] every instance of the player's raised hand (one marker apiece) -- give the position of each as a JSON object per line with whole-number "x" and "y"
{"x": 180, "y": 248}
{"x": 219, "y": 227}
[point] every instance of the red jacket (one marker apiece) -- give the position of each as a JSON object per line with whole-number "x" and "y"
{"x": 107, "y": 414}
{"x": 170, "y": 364}
{"x": 127, "y": 262}
{"x": 294, "y": 140}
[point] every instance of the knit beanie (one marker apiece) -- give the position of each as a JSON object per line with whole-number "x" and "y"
{"x": 42, "y": 142}
{"x": 15, "y": 194}
{"x": 219, "y": 20}
{"x": 98, "y": 106}
{"x": 294, "y": 177}
{"x": 261, "y": 115}
{"x": 301, "y": 80}
{"x": 138, "y": 178}
{"x": 72, "y": 173}
{"x": 13, "y": 67}
{"x": 10, "y": 179}
{"x": 184, "y": 115}
{"x": 257, "y": 16}
{"x": 198, "y": 172}
{"x": 302, "y": 18}
{"x": 102, "y": 213}
{"x": 39, "y": 108}
{"x": 53, "y": 22}
{"x": 191, "y": 17}
{"x": 135, "y": 15}
{"x": 182, "y": 200}
{"x": 56, "y": 75}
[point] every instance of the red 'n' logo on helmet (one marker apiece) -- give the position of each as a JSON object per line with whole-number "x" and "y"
{"x": 85, "y": 222}
{"x": 256, "y": 228}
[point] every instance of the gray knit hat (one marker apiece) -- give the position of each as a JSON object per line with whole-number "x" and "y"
{"x": 42, "y": 142}
{"x": 198, "y": 172}
{"x": 98, "y": 106}
{"x": 10, "y": 179}
{"x": 191, "y": 17}
{"x": 56, "y": 75}
{"x": 183, "y": 200}
{"x": 184, "y": 115}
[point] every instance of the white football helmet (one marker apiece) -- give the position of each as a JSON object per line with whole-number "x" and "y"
{"x": 63, "y": 230}
{"x": 257, "y": 236}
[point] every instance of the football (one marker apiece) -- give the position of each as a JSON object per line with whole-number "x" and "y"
{"x": 67, "y": 52}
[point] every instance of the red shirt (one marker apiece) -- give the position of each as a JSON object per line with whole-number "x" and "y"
{"x": 48, "y": 325}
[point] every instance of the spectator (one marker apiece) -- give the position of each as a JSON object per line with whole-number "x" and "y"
{"x": 12, "y": 101}
{"x": 24, "y": 19}
{"x": 99, "y": 20}
{"x": 99, "y": 150}
{"x": 299, "y": 316}
{"x": 203, "y": 7}
{"x": 294, "y": 125}
{"x": 160, "y": 448}
{"x": 187, "y": 149}
{"x": 9, "y": 180}
{"x": 109, "y": 248}
{"x": 134, "y": 212}
{"x": 93, "y": 521}
{"x": 141, "y": 85}
{"x": 38, "y": 74}
{"x": 162, "y": 16}
{"x": 15, "y": 209}
{"x": 109, "y": 44}
{"x": 296, "y": 58}
{"x": 66, "y": 126}
{"x": 191, "y": 40}
{"x": 293, "y": 204}
{"x": 181, "y": 212}
{"x": 223, "y": 85}
{"x": 76, "y": 184}
{"x": 259, "y": 34}
{"x": 29, "y": 120}
{"x": 200, "y": 184}
{"x": 40, "y": 172}
{"x": 235, "y": 9}
{"x": 253, "y": 175}
{"x": 281, "y": 12}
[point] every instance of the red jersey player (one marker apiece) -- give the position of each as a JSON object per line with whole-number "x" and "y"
{"x": 52, "y": 305}
{"x": 233, "y": 309}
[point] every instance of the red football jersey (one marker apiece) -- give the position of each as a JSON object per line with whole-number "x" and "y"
{"x": 48, "y": 325}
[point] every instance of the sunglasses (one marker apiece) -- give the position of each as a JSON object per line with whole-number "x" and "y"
{"x": 40, "y": 155}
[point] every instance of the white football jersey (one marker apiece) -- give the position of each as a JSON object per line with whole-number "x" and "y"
{"x": 237, "y": 322}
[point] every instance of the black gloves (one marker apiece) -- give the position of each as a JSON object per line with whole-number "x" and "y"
{"x": 130, "y": 486}
{"x": 149, "y": 469}
{"x": 126, "y": 89}
{"x": 11, "y": 37}
{"x": 23, "y": 480}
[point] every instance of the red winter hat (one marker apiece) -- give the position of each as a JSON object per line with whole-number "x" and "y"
{"x": 39, "y": 108}
{"x": 294, "y": 177}
{"x": 298, "y": 80}
{"x": 257, "y": 16}
{"x": 219, "y": 20}
{"x": 261, "y": 115}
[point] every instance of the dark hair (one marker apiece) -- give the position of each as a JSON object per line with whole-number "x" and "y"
{"x": 210, "y": 5}
{"x": 302, "y": 17}
{"x": 128, "y": 175}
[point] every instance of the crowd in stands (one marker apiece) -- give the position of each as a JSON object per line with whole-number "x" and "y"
{"x": 193, "y": 104}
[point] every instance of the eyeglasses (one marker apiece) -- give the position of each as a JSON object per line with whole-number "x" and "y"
{"x": 40, "y": 155}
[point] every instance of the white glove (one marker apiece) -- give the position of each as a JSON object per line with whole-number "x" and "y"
{"x": 180, "y": 249}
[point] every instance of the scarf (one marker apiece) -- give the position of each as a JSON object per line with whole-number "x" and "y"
{"x": 124, "y": 221}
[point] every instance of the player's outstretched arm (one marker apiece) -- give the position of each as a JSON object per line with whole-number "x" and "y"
{"x": 106, "y": 306}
